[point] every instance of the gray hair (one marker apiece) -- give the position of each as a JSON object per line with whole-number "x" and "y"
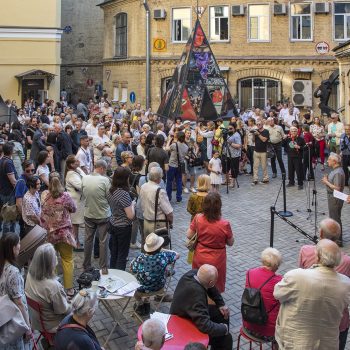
{"x": 84, "y": 303}
{"x": 44, "y": 263}
{"x": 271, "y": 258}
{"x": 100, "y": 164}
{"x": 153, "y": 333}
{"x": 155, "y": 174}
{"x": 328, "y": 253}
{"x": 153, "y": 165}
{"x": 335, "y": 157}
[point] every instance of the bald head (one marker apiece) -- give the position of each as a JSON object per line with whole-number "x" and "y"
{"x": 153, "y": 334}
{"x": 328, "y": 253}
{"x": 329, "y": 229}
{"x": 207, "y": 275}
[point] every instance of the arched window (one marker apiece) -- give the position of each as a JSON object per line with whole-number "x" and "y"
{"x": 255, "y": 92}
{"x": 121, "y": 35}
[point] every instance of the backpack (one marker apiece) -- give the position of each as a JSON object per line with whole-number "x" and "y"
{"x": 253, "y": 308}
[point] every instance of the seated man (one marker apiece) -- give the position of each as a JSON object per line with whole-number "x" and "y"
{"x": 191, "y": 301}
{"x": 153, "y": 335}
{"x": 150, "y": 268}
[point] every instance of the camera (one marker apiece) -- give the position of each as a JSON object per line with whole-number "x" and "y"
{"x": 224, "y": 133}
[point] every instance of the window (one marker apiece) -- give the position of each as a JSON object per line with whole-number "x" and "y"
{"x": 181, "y": 24}
{"x": 218, "y": 23}
{"x": 341, "y": 20}
{"x": 301, "y": 21}
{"x": 259, "y": 22}
{"x": 124, "y": 95}
{"x": 116, "y": 93}
{"x": 121, "y": 35}
{"x": 255, "y": 92}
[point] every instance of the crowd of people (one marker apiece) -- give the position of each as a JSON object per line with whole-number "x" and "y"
{"x": 110, "y": 173}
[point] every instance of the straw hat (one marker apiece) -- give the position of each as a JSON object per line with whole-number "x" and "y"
{"x": 153, "y": 242}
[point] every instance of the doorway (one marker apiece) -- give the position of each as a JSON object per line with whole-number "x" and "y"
{"x": 31, "y": 87}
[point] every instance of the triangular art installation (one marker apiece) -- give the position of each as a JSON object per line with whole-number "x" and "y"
{"x": 197, "y": 90}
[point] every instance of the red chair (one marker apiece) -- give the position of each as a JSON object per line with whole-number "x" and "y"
{"x": 251, "y": 340}
{"x": 43, "y": 333}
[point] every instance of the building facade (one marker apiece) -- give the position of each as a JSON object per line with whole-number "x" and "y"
{"x": 265, "y": 50}
{"x": 30, "y": 40}
{"x": 81, "y": 49}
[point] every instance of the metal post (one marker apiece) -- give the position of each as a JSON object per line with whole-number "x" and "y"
{"x": 272, "y": 225}
{"x": 148, "y": 54}
{"x": 285, "y": 213}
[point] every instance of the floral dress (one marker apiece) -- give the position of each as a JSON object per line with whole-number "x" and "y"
{"x": 56, "y": 219}
{"x": 11, "y": 283}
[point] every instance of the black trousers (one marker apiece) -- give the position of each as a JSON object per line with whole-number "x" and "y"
{"x": 250, "y": 155}
{"x": 278, "y": 152}
{"x": 119, "y": 245}
{"x": 346, "y": 164}
{"x": 342, "y": 339}
{"x": 234, "y": 166}
{"x": 224, "y": 342}
{"x": 295, "y": 165}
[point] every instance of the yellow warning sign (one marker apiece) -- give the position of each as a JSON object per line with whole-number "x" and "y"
{"x": 159, "y": 45}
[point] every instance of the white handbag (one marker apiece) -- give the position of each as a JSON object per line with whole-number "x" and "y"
{"x": 12, "y": 323}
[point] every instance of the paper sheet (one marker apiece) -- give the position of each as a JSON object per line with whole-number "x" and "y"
{"x": 164, "y": 318}
{"x": 340, "y": 195}
{"x": 111, "y": 284}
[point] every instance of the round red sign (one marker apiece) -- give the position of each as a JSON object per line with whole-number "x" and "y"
{"x": 322, "y": 47}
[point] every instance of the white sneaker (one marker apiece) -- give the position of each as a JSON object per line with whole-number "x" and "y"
{"x": 193, "y": 190}
{"x": 136, "y": 245}
{"x": 186, "y": 190}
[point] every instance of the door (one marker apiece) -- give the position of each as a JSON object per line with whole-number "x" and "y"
{"x": 30, "y": 88}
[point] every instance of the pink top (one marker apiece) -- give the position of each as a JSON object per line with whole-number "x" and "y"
{"x": 257, "y": 277}
{"x": 308, "y": 257}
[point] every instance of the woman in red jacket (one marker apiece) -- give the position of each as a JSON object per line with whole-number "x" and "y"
{"x": 271, "y": 260}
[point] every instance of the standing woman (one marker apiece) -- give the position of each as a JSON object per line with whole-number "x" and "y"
{"x": 43, "y": 169}
{"x": 57, "y": 206}
{"x": 317, "y": 131}
{"x": 141, "y": 147}
{"x": 123, "y": 213}
{"x": 18, "y": 155}
{"x": 11, "y": 283}
{"x": 73, "y": 182}
{"x": 213, "y": 234}
{"x": 31, "y": 207}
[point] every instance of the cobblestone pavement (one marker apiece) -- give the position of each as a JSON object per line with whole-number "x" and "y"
{"x": 248, "y": 210}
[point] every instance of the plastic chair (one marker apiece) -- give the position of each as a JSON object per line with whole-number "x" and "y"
{"x": 169, "y": 273}
{"x": 42, "y": 333}
{"x": 252, "y": 340}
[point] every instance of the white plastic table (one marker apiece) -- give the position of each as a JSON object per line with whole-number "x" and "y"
{"x": 112, "y": 299}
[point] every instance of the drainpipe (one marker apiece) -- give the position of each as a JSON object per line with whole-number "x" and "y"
{"x": 148, "y": 54}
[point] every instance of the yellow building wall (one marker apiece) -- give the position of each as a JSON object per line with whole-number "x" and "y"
{"x": 25, "y": 47}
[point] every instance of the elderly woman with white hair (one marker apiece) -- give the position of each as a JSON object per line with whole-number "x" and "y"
{"x": 74, "y": 332}
{"x": 43, "y": 287}
{"x": 153, "y": 335}
{"x": 265, "y": 279}
{"x": 335, "y": 180}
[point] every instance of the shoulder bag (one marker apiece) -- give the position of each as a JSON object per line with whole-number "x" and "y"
{"x": 191, "y": 243}
{"x": 164, "y": 231}
{"x": 180, "y": 165}
{"x": 12, "y": 323}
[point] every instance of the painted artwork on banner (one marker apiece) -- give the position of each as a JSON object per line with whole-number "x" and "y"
{"x": 197, "y": 90}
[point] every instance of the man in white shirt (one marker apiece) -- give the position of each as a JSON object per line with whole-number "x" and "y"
{"x": 99, "y": 142}
{"x": 91, "y": 129}
{"x": 84, "y": 155}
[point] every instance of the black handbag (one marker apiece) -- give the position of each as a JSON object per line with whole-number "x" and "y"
{"x": 86, "y": 278}
{"x": 163, "y": 231}
{"x": 181, "y": 165}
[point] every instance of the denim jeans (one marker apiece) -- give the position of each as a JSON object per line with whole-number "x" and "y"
{"x": 174, "y": 173}
{"x": 119, "y": 244}
{"x": 7, "y": 226}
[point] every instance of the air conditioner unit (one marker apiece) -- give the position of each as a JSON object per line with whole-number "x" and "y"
{"x": 322, "y": 7}
{"x": 279, "y": 9}
{"x": 238, "y": 10}
{"x": 302, "y": 93}
{"x": 159, "y": 14}
{"x": 44, "y": 94}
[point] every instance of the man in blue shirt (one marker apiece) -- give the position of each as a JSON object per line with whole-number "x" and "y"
{"x": 8, "y": 176}
{"x": 123, "y": 146}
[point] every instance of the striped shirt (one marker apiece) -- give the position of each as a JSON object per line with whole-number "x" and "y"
{"x": 118, "y": 201}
